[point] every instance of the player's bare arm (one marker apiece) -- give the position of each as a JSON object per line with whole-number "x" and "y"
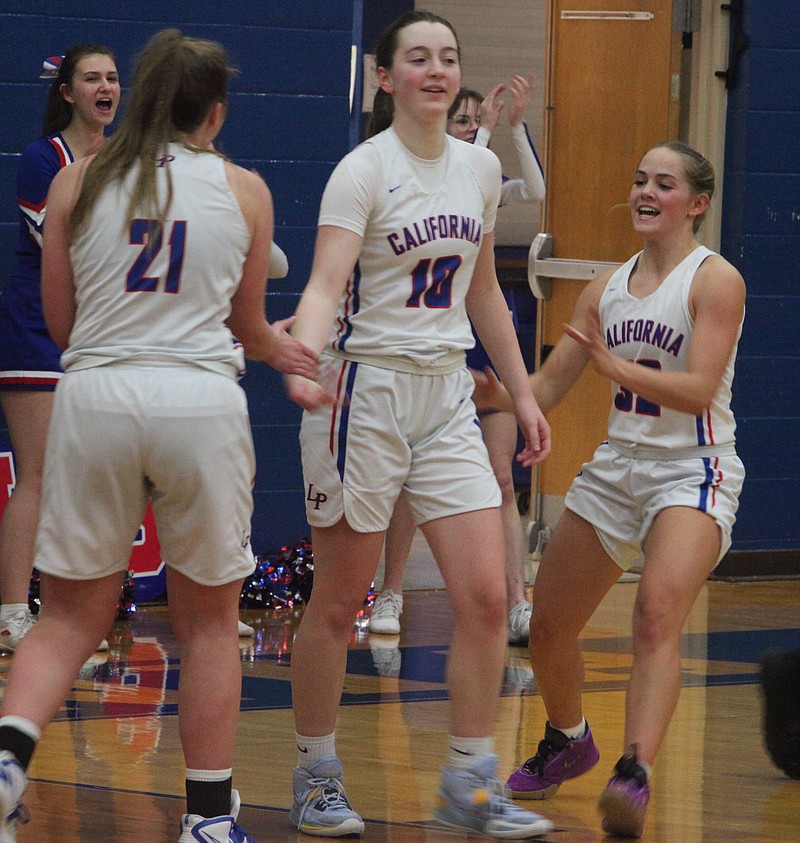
{"x": 247, "y": 320}
{"x": 335, "y": 255}
{"x": 489, "y": 314}
{"x": 58, "y": 287}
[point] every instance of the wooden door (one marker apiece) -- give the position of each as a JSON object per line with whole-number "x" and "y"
{"x": 612, "y": 93}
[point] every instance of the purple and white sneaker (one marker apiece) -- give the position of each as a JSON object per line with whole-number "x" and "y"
{"x": 623, "y": 803}
{"x": 557, "y": 759}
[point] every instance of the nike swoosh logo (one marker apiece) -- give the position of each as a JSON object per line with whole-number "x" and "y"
{"x": 300, "y": 748}
{"x": 568, "y": 765}
{"x": 392, "y": 189}
{"x": 461, "y": 751}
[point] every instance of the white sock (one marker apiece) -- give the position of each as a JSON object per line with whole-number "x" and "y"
{"x": 13, "y": 610}
{"x": 464, "y": 753}
{"x": 209, "y": 775}
{"x": 310, "y": 749}
{"x": 574, "y": 732}
{"x": 646, "y": 767}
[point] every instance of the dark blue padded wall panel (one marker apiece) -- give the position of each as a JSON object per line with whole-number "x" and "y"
{"x": 774, "y": 258}
{"x": 262, "y": 382}
{"x": 281, "y": 13}
{"x": 761, "y": 235}
{"x": 774, "y": 26}
{"x": 771, "y": 206}
{"x": 288, "y": 118}
{"x": 272, "y": 454}
{"x": 772, "y": 330}
{"x": 278, "y": 520}
{"x": 783, "y": 527}
{"x": 767, "y": 391}
{"x": 775, "y": 462}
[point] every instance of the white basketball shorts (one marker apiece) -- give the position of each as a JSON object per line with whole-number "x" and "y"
{"x": 621, "y": 496}
{"x": 394, "y": 430}
{"x": 122, "y": 434}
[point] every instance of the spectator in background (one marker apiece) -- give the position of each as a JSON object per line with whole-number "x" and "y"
{"x": 81, "y": 104}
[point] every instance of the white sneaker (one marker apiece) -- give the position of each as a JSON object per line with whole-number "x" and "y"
{"x": 474, "y": 800}
{"x": 519, "y": 674}
{"x": 13, "y": 631}
{"x": 196, "y": 829}
{"x": 320, "y": 805}
{"x": 13, "y": 783}
{"x": 386, "y": 654}
{"x": 519, "y": 622}
{"x": 386, "y": 613}
{"x": 246, "y": 631}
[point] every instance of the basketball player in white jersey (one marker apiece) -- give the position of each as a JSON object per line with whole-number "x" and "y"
{"x": 664, "y": 329}
{"x": 473, "y": 118}
{"x": 155, "y": 255}
{"x": 413, "y": 211}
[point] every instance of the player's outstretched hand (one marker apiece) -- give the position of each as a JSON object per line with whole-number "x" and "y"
{"x": 289, "y": 355}
{"x": 307, "y": 393}
{"x": 591, "y": 338}
{"x": 520, "y": 89}
{"x": 536, "y": 432}
{"x": 490, "y": 394}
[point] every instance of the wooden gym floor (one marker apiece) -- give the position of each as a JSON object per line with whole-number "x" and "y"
{"x": 109, "y": 769}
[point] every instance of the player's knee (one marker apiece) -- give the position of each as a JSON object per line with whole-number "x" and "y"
{"x": 546, "y": 632}
{"x": 485, "y": 609}
{"x": 654, "y": 624}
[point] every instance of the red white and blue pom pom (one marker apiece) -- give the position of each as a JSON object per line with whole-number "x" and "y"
{"x": 284, "y": 579}
{"x": 281, "y": 578}
{"x": 51, "y": 67}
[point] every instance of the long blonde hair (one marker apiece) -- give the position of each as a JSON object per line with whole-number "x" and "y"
{"x": 176, "y": 82}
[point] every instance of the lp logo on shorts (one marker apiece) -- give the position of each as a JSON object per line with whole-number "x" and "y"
{"x": 318, "y": 498}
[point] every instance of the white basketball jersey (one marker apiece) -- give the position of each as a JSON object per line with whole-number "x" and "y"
{"x": 403, "y": 306}
{"x": 656, "y": 331}
{"x": 167, "y": 301}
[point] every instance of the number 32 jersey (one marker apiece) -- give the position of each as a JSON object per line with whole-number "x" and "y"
{"x": 422, "y": 224}
{"x": 656, "y": 331}
{"x": 166, "y": 301}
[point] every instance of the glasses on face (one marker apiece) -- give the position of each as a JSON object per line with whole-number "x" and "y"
{"x": 464, "y": 120}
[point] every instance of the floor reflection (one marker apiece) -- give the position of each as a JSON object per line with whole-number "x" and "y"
{"x": 110, "y": 767}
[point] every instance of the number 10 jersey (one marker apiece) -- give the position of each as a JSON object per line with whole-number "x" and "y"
{"x": 423, "y": 223}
